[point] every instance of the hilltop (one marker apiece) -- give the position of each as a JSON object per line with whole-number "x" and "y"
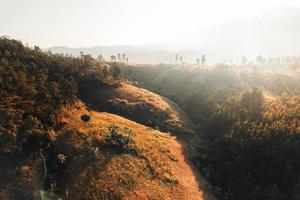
{"x": 139, "y": 105}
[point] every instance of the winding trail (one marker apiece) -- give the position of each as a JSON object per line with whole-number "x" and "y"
{"x": 190, "y": 141}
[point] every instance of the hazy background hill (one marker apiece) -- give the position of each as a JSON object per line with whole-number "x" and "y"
{"x": 275, "y": 33}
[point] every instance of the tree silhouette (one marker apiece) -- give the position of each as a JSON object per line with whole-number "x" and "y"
{"x": 198, "y": 61}
{"x": 119, "y": 57}
{"x": 203, "y": 59}
{"x": 81, "y": 54}
{"x": 100, "y": 57}
{"x": 124, "y": 57}
{"x": 113, "y": 58}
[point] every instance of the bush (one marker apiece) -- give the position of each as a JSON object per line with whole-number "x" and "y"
{"x": 119, "y": 137}
{"x": 85, "y": 118}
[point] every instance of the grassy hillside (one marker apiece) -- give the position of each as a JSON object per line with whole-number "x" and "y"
{"x": 150, "y": 166}
{"x": 139, "y": 105}
{"x": 53, "y": 146}
{"x": 90, "y": 163}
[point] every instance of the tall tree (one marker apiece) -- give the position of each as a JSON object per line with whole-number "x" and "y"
{"x": 119, "y": 57}
{"x": 100, "y": 57}
{"x": 113, "y": 58}
{"x": 203, "y": 59}
{"x": 81, "y": 54}
{"x": 124, "y": 57}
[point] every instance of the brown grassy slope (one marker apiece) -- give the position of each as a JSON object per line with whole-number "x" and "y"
{"x": 157, "y": 170}
{"x": 139, "y": 105}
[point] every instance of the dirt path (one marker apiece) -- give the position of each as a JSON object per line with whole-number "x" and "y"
{"x": 190, "y": 141}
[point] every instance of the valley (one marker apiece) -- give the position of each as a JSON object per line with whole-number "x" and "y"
{"x": 82, "y": 128}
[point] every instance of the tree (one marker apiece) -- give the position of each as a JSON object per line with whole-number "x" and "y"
{"x": 198, "y": 61}
{"x": 81, "y": 54}
{"x": 100, "y": 57}
{"x": 124, "y": 57}
{"x": 260, "y": 59}
{"x": 88, "y": 58}
{"x": 115, "y": 72}
{"x": 119, "y": 57}
{"x": 113, "y": 58}
{"x": 203, "y": 59}
{"x": 176, "y": 58}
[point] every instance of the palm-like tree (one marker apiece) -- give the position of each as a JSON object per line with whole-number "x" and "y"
{"x": 203, "y": 59}
{"x": 119, "y": 57}
{"x": 113, "y": 58}
{"x": 124, "y": 57}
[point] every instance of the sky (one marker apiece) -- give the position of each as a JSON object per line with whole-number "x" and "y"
{"x": 85, "y": 23}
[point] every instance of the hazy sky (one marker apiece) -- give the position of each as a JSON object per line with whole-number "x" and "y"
{"x": 78, "y": 23}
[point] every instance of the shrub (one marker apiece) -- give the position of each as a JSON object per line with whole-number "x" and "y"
{"x": 119, "y": 137}
{"x": 85, "y": 118}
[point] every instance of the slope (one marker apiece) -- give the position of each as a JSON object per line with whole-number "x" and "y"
{"x": 152, "y": 166}
{"x": 153, "y": 110}
{"x": 139, "y": 105}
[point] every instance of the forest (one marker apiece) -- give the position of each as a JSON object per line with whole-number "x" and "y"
{"x": 150, "y": 100}
{"x": 250, "y": 119}
{"x": 248, "y": 122}
{"x": 34, "y": 86}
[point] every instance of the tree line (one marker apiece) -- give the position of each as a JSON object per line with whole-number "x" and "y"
{"x": 34, "y": 85}
{"x": 254, "y": 149}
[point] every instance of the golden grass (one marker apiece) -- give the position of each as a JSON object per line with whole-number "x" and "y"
{"x": 141, "y": 106}
{"x": 158, "y": 171}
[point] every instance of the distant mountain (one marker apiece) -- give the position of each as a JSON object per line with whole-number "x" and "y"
{"x": 272, "y": 34}
{"x": 138, "y": 54}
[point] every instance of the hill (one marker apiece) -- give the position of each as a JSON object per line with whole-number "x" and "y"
{"x": 151, "y": 165}
{"x": 95, "y": 166}
{"x": 139, "y": 105}
{"x": 53, "y": 146}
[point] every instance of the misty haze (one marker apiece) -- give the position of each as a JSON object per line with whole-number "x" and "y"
{"x": 150, "y": 100}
